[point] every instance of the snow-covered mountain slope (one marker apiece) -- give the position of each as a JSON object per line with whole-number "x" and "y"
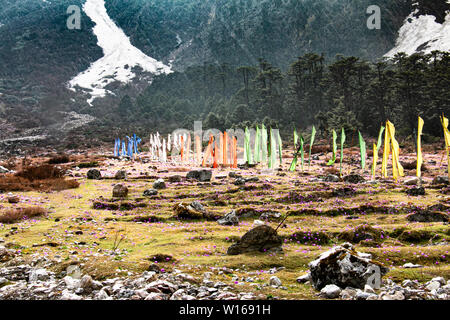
{"x": 422, "y": 34}
{"x": 120, "y": 56}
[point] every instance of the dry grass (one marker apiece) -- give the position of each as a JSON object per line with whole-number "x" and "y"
{"x": 15, "y": 215}
{"x": 41, "y": 172}
{"x": 58, "y": 159}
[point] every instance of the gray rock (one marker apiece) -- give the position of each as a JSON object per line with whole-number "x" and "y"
{"x": 39, "y": 275}
{"x": 239, "y": 181}
{"x": 433, "y": 285}
{"x": 121, "y": 175}
{"x": 349, "y": 294}
{"x": 67, "y": 295}
{"x": 440, "y": 180}
{"x": 71, "y": 283}
{"x": 150, "y": 192}
{"x": 441, "y": 280}
{"x": 200, "y": 175}
{"x": 157, "y": 296}
{"x": 275, "y": 281}
{"x": 94, "y": 174}
{"x": 354, "y": 178}
{"x": 73, "y": 271}
{"x": 410, "y": 265}
{"x": 412, "y": 181}
{"x": 398, "y": 295}
{"x": 230, "y": 219}
{"x": 343, "y": 267}
{"x": 159, "y": 184}
{"x": 331, "y": 178}
{"x": 304, "y": 278}
{"x": 331, "y": 291}
{"x": 120, "y": 191}
{"x": 262, "y": 238}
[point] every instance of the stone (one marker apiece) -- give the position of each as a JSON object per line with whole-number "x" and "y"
{"x": 257, "y": 223}
{"x": 94, "y": 174}
{"x": 331, "y": 178}
{"x": 102, "y": 295}
{"x": 344, "y": 267}
{"x": 176, "y": 178}
{"x": 368, "y": 289}
{"x": 275, "y": 281}
{"x": 163, "y": 286}
{"x": 440, "y": 180}
{"x": 425, "y": 215}
{"x": 270, "y": 216}
{"x": 441, "y": 280}
{"x": 88, "y": 284}
{"x": 186, "y": 211}
{"x": 433, "y": 285}
{"x": 330, "y": 291}
{"x": 412, "y": 181}
{"x": 397, "y": 295}
{"x": 415, "y": 191}
{"x": 121, "y": 175}
{"x": 159, "y": 184}
{"x": 239, "y": 182}
{"x": 200, "y": 175}
{"x": 6, "y": 254}
{"x": 262, "y": 238}
{"x": 38, "y": 275}
{"x": 230, "y": 219}
{"x": 74, "y": 271}
{"x": 13, "y": 199}
{"x": 71, "y": 283}
{"x": 412, "y": 265}
{"x": 150, "y": 193}
{"x": 348, "y": 294}
{"x": 67, "y": 295}
{"x": 354, "y": 178}
{"x": 304, "y": 278}
{"x": 363, "y": 295}
{"x": 120, "y": 191}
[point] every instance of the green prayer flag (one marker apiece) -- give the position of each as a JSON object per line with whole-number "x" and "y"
{"x": 263, "y": 143}
{"x": 342, "y": 150}
{"x": 362, "y": 149}
{"x": 298, "y": 150}
{"x": 247, "y": 150}
{"x": 257, "y": 145}
{"x": 313, "y": 135}
{"x": 295, "y": 139}
{"x": 380, "y": 138}
{"x": 280, "y": 148}
{"x": 333, "y": 160}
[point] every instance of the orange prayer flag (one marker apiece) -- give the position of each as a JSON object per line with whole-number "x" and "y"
{"x": 234, "y": 152}
{"x": 198, "y": 147}
{"x": 220, "y": 150}
{"x": 216, "y": 155}
{"x": 208, "y": 151}
{"x": 225, "y": 148}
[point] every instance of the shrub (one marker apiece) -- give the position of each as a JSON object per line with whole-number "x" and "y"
{"x": 41, "y": 172}
{"x": 15, "y": 215}
{"x": 61, "y": 158}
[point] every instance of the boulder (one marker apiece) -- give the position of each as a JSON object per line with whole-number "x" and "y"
{"x": 159, "y": 184}
{"x": 120, "y": 191}
{"x": 344, "y": 267}
{"x": 270, "y": 216}
{"x": 239, "y": 182}
{"x": 354, "y": 178}
{"x": 230, "y": 219}
{"x": 330, "y": 291}
{"x": 412, "y": 181}
{"x": 262, "y": 238}
{"x": 38, "y": 275}
{"x": 187, "y": 211}
{"x": 415, "y": 191}
{"x": 13, "y": 199}
{"x": 121, "y": 175}
{"x": 94, "y": 174}
{"x": 150, "y": 192}
{"x": 275, "y": 281}
{"x": 331, "y": 178}
{"x": 440, "y": 180}
{"x": 200, "y": 175}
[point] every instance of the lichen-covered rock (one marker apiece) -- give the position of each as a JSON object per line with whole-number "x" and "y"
{"x": 200, "y": 175}
{"x": 354, "y": 178}
{"x": 344, "y": 267}
{"x": 150, "y": 192}
{"x": 121, "y": 175}
{"x": 186, "y": 211}
{"x": 230, "y": 219}
{"x": 262, "y": 238}
{"x": 159, "y": 184}
{"x": 94, "y": 174}
{"x": 120, "y": 191}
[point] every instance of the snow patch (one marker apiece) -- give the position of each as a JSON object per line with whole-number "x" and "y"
{"x": 422, "y": 34}
{"x": 120, "y": 56}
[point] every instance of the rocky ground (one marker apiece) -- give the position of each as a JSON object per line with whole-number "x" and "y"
{"x": 145, "y": 230}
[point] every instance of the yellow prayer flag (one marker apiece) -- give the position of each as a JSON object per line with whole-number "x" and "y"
{"x": 444, "y": 122}
{"x": 419, "y": 148}
{"x": 386, "y": 151}
{"x": 375, "y": 159}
